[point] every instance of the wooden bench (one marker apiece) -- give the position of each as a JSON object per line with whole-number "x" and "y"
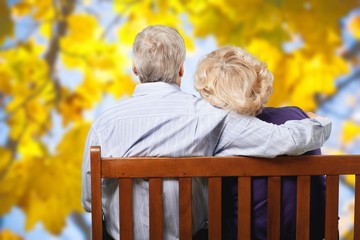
{"x": 184, "y": 168}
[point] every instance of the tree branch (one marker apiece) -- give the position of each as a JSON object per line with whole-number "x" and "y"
{"x": 66, "y": 8}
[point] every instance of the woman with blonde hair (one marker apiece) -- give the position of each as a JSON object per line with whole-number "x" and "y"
{"x": 232, "y": 78}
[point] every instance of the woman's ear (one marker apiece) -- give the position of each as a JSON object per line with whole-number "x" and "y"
{"x": 134, "y": 70}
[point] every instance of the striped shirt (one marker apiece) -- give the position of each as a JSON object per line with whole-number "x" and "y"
{"x": 160, "y": 120}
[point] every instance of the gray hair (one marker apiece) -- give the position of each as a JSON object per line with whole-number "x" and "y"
{"x": 158, "y": 53}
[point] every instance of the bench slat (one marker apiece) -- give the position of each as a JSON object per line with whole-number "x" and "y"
{"x": 185, "y": 208}
{"x": 244, "y": 208}
{"x": 214, "y": 205}
{"x": 96, "y": 193}
{"x": 155, "y": 208}
{"x": 303, "y": 208}
{"x": 332, "y": 203}
{"x": 126, "y": 208}
{"x": 273, "y": 228}
{"x": 357, "y": 208}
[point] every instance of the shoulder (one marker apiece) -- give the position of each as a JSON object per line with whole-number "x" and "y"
{"x": 175, "y": 104}
{"x": 110, "y": 115}
{"x": 282, "y": 114}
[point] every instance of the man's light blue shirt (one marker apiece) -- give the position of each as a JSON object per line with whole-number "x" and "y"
{"x": 160, "y": 120}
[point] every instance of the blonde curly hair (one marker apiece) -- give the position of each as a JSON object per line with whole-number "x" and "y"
{"x": 234, "y": 79}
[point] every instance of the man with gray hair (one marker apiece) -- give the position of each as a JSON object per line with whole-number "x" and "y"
{"x": 160, "y": 120}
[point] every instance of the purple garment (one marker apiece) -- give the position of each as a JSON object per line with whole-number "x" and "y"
{"x": 288, "y": 194}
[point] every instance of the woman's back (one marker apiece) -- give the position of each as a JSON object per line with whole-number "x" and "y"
{"x": 288, "y": 194}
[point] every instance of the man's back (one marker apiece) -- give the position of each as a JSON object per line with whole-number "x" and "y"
{"x": 288, "y": 194}
{"x": 159, "y": 120}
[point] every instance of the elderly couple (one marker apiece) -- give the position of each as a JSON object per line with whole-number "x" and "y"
{"x": 230, "y": 119}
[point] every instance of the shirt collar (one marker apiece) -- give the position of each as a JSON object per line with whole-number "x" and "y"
{"x": 155, "y": 88}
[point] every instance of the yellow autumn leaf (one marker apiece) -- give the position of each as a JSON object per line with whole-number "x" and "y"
{"x": 122, "y": 85}
{"x": 165, "y": 17}
{"x": 38, "y": 191}
{"x": 55, "y": 186}
{"x": 88, "y": 93}
{"x": 16, "y": 122}
{"x": 22, "y": 8}
{"x": 81, "y": 40}
{"x": 31, "y": 147}
{"x": 333, "y": 37}
{"x": 44, "y": 210}
{"x": 350, "y": 180}
{"x": 81, "y": 27}
{"x": 129, "y": 30}
{"x": 39, "y": 179}
{"x": 70, "y": 110}
{"x": 353, "y": 26}
{"x": 196, "y": 7}
{"x": 73, "y": 142}
{"x": 301, "y": 75}
{"x": 43, "y": 9}
{"x": 318, "y": 78}
{"x": 46, "y": 29}
{"x": 207, "y": 24}
{"x": 103, "y": 62}
{"x": 122, "y": 7}
{"x": 5, "y": 155}
{"x": 6, "y": 77}
{"x": 7, "y": 234}
{"x": 72, "y": 61}
{"x": 25, "y": 67}
{"x": 266, "y": 52}
{"x": 12, "y": 186}
{"x": 36, "y": 114}
{"x": 108, "y": 58}
{"x": 351, "y": 130}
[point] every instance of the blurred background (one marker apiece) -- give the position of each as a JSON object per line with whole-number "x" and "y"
{"x": 63, "y": 62}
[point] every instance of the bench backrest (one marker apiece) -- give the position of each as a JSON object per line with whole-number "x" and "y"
{"x": 184, "y": 168}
